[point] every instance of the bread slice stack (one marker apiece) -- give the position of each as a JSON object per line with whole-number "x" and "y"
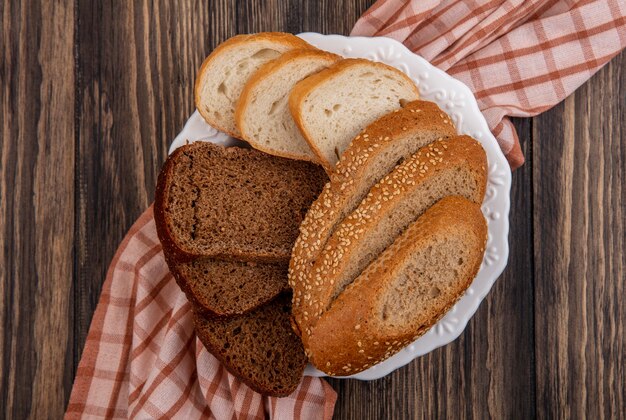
{"x": 227, "y": 219}
{"x": 289, "y": 99}
{"x": 404, "y": 291}
{"x": 392, "y": 242}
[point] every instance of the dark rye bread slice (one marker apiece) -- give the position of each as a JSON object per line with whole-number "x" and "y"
{"x": 259, "y": 347}
{"x": 227, "y": 288}
{"x": 232, "y": 203}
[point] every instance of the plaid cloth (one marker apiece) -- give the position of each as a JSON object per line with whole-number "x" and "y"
{"x": 143, "y": 360}
{"x": 519, "y": 57}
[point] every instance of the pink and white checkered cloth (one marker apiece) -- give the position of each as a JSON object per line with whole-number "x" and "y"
{"x": 519, "y": 57}
{"x": 142, "y": 359}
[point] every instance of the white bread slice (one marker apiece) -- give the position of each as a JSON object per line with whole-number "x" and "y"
{"x": 371, "y": 156}
{"x": 332, "y": 106}
{"x": 226, "y": 70}
{"x": 408, "y": 288}
{"x": 262, "y": 114}
{"x": 457, "y": 166}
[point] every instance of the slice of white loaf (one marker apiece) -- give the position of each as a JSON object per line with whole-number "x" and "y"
{"x": 408, "y": 288}
{"x": 227, "y": 69}
{"x": 262, "y": 114}
{"x": 457, "y": 166}
{"x": 332, "y": 106}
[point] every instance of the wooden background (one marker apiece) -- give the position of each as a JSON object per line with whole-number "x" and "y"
{"x": 92, "y": 93}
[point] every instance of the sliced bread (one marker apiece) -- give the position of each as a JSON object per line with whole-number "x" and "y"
{"x": 232, "y": 203}
{"x": 371, "y": 156}
{"x": 446, "y": 167}
{"x": 262, "y": 113}
{"x": 259, "y": 347}
{"x": 227, "y": 288}
{"x": 404, "y": 291}
{"x": 227, "y": 69}
{"x": 331, "y": 107}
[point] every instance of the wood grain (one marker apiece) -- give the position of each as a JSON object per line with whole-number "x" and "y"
{"x": 37, "y": 207}
{"x": 579, "y": 165}
{"x": 93, "y": 92}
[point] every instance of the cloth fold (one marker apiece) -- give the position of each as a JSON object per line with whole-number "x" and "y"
{"x": 519, "y": 57}
{"x": 143, "y": 360}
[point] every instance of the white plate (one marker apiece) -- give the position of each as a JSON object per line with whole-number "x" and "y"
{"x": 456, "y": 99}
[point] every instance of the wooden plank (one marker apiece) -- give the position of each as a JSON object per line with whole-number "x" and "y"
{"x": 36, "y": 207}
{"x": 489, "y": 370}
{"x": 579, "y": 168}
{"x": 136, "y": 63}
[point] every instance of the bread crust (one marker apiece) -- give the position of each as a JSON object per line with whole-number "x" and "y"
{"x": 349, "y": 337}
{"x": 278, "y": 37}
{"x": 166, "y": 237}
{"x": 330, "y": 208}
{"x": 260, "y": 75}
{"x": 303, "y": 88}
{"x": 422, "y": 167}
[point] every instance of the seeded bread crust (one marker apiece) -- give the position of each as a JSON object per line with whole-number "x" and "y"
{"x": 339, "y": 259}
{"x": 350, "y": 336}
{"x": 250, "y": 353}
{"x": 260, "y": 75}
{"x": 390, "y": 138}
{"x": 306, "y": 86}
{"x": 280, "y": 38}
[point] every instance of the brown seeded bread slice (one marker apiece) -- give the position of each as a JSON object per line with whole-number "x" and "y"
{"x": 226, "y": 70}
{"x": 227, "y": 288}
{"x": 370, "y": 156}
{"x": 262, "y": 112}
{"x": 259, "y": 347}
{"x": 232, "y": 203}
{"x": 457, "y": 166}
{"x": 331, "y": 107}
{"x": 410, "y": 286}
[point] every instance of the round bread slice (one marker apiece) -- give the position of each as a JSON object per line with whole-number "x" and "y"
{"x": 227, "y": 288}
{"x": 227, "y": 69}
{"x": 262, "y": 113}
{"x": 406, "y": 290}
{"x": 331, "y": 107}
{"x": 457, "y": 166}
{"x": 371, "y": 156}
{"x": 259, "y": 347}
